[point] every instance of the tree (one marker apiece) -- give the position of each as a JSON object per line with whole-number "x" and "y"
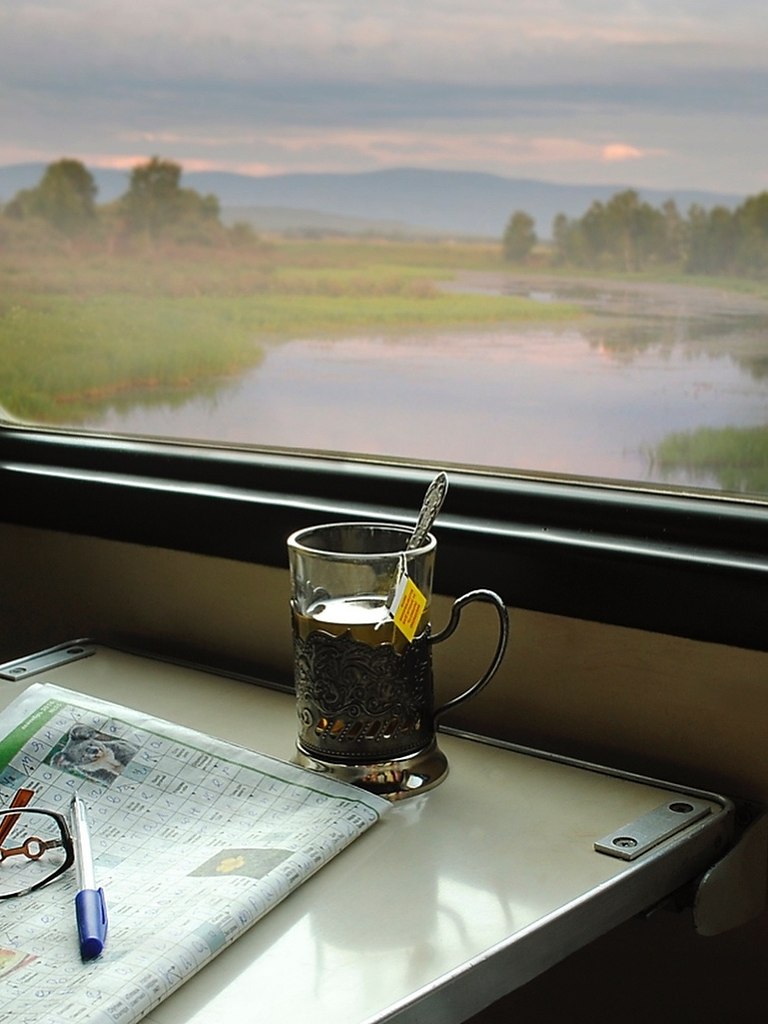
{"x": 752, "y": 223}
{"x": 570, "y": 242}
{"x": 155, "y": 201}
{"x": 592, "y": 234}
{"x": 65, "y": 198}
{"x": 713, "y": 241}
{"x": 675, "y": 233}
{"x": 519, "y": 237}
{"x": 624, "y": 232}
{"x": 634, "y": 230}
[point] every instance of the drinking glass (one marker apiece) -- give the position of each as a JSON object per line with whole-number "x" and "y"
{"x": 360, "y": 601}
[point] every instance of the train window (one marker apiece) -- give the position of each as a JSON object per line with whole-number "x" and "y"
{"x": 526, "y": 237}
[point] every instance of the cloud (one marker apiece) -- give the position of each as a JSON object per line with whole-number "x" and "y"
{"x": 506, "y": 153}
{"x": 553, "y": 87}
{"x": 328, "y": 150}
{"x": 618, "y": 152}
{"x": 468, "y": 41}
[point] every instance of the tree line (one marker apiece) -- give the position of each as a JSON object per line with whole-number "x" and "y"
{"x": 629, "y": 234}
{"x": 625, "y": 233}
{"x": 154, "y": 206}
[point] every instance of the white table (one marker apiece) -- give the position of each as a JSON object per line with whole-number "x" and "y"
{"x": 455, "y": 898}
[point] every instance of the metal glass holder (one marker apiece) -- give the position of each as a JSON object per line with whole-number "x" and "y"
{"x": 393, "y": 779}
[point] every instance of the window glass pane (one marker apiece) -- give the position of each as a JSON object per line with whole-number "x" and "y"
{"x": 528, "y": 235}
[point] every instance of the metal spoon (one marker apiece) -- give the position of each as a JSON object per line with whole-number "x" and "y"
{"x": 431, "y": 505}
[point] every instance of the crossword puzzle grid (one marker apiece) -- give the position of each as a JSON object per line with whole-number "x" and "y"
{"x": 178, "y": 821}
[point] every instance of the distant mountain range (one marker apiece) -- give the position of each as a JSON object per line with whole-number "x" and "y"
{"x": 401, "y": 201}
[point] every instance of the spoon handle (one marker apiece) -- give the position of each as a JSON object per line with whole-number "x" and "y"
{"x": 431, "y": 505}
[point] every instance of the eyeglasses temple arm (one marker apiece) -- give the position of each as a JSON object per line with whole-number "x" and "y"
{"x": 20, "y": 799}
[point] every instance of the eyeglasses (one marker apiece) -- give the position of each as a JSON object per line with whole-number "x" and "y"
{"x": 35, "y": 846}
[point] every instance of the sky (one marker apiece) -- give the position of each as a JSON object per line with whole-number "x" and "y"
{"x": 648, "y": 93}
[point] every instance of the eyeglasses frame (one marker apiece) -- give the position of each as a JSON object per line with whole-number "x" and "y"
{"x": 66, "y": 836}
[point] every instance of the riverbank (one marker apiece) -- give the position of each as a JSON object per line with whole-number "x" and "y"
{"x": 703, "y": 296}
{"x": 78, "y": 331}
{"x": 218, "y": 343}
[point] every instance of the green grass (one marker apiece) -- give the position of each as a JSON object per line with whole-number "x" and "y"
{"x": 737, "y": 457}
{"x": 59, "y": 357}
{"x": 78, "y": 330}
{"x": 82, "y": 326}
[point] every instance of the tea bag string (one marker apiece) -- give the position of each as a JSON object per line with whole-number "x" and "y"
{"x": 400, "y": 572}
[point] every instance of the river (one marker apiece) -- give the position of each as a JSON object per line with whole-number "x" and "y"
{"x": 592, "y": 397}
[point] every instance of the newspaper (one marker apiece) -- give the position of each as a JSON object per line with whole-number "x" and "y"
{"x": 194, "y": 840}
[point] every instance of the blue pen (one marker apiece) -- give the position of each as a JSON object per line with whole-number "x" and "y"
{"x": 90, "y": 905}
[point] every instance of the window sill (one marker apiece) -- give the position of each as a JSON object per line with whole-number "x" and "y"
{"x": 691, "y": 566}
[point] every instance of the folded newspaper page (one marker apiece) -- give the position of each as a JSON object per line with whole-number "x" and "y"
{"x": 194, "y": 839}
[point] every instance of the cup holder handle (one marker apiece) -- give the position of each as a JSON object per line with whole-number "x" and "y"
{"x": 458, "y": 605}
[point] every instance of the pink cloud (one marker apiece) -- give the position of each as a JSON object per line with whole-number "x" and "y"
{"x": 501, "y": 150}
{"x": 113, "y": 161}
{"x": 345, "y": 149}
{"x": 617, "y": 152}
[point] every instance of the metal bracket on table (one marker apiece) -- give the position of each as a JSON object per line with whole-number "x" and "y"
{"x": 53, "y": 657}
{"x": 637, "y": 837}
{"x": 732, "y": 891}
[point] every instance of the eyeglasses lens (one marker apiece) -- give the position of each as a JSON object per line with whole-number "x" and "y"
{"x": 32, "y": 850}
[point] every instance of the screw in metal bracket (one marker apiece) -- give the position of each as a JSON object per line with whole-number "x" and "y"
{"x": 637, "y": 837}
{"x": 625, "y": 842}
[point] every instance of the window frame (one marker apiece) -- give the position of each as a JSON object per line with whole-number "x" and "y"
{"x": 686, "y": 564}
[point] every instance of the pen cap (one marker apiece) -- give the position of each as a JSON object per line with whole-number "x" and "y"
{"x": 91, "y": 912}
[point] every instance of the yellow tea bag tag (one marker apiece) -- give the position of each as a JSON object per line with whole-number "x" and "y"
{"x": 408, "y": 605}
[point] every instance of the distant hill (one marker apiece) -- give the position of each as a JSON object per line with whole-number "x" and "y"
{"x": 463, "y": 203}
{"x": 286, "y": 220}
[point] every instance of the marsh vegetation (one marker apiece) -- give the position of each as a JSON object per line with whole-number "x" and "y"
{"x": 123, "y": 317}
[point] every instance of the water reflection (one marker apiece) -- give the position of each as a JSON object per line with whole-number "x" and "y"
{"x": 595, "y": 397}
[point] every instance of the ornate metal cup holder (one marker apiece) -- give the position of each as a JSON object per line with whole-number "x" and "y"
{"x": 394, "y": 779}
